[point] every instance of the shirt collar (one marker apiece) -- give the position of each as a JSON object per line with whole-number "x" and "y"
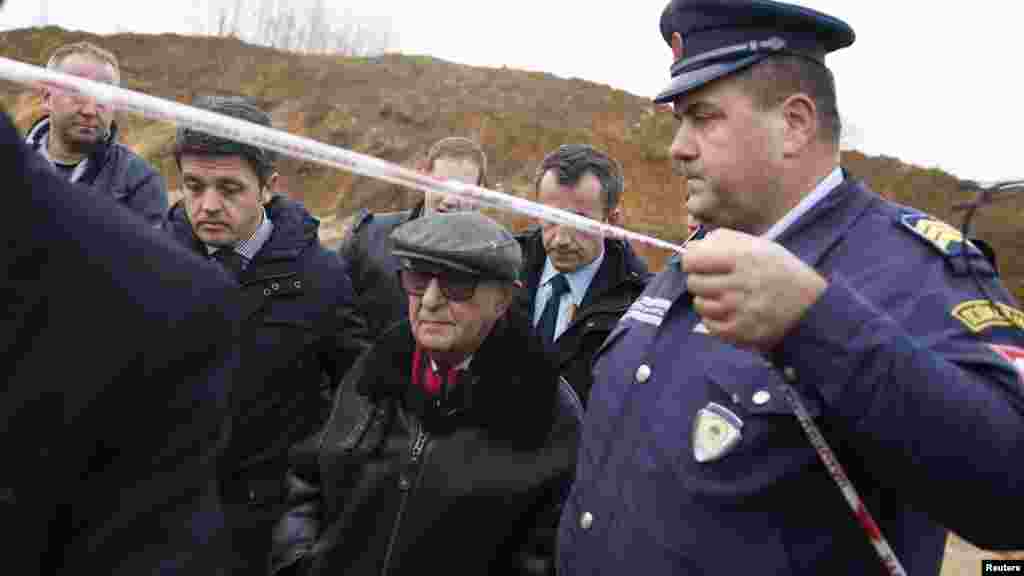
{"x": 579, "y": 279}
{"x": 44, "y": 151}
{"x": 460, "y": 366}
{"x": 829, "y": 183}
{"x": 251, "y": 246}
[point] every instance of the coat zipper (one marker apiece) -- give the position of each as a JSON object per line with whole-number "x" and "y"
{"x": 406, "y": 486}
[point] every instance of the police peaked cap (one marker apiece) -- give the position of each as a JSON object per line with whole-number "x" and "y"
{"x": 720, "y": 37}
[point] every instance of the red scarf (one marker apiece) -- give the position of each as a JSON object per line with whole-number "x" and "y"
{"x": 426, "y": 377}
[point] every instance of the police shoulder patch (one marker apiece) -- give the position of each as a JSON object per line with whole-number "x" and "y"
{"x": 979, "y": 315}
{"x": 935, "y": 232}
{"x": 962, "y": 256}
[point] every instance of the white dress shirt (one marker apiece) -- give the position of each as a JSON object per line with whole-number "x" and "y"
{"x": 579, "y": 282}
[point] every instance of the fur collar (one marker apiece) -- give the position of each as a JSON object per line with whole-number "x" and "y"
{"x": 513, "y": 384}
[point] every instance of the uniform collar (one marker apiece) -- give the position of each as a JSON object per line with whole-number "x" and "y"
{"x": 826, "y": 185}
{"x": 812, "y": 237}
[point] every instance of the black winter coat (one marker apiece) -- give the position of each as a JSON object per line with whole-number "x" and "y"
{"x": 619, "y": 281}
{"x": 396, "y": 484}
{"x": 373, "y": 269}
{"x": 300, "y": 334}
{"x": 117, "y": 351}
{"x": 116, "y": 171}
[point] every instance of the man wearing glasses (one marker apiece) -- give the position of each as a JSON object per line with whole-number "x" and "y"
{"x": 452, "y": 441}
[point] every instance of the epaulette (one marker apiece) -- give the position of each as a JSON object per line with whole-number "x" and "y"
{"x": 948, "y": 241}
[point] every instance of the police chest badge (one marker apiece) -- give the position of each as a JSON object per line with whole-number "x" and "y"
{"x": 716, "y": 431}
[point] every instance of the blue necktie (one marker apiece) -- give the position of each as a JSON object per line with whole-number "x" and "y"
{"x": 549, "y": 318}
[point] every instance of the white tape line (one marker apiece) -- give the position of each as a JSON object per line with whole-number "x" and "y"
{"x": 308, "y": 149}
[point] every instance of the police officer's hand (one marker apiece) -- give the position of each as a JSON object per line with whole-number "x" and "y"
{"x": 749, "y": 291}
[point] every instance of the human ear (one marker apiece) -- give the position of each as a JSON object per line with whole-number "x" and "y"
{"x": 799, "y": 122}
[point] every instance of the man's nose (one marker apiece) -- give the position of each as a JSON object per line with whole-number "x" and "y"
{"x": 210, "y": 203}
{"x": 89, "y": 106}
{"x": 432, "y": 297}
{"x": 563, "y": 235}
{"x": 684, "y": 146}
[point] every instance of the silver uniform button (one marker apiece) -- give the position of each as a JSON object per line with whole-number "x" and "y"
{"x": 789, "y": 373}
{"x": 762, "y": 397}
{"x": 643, "y": 373}
{"x": 586, "y": 520}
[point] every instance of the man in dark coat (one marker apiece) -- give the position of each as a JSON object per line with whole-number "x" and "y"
{"x": 300, "y": 332}
{"x": 117, "y": 351}
{"x": 577, "y": 284}
{"x": 451, "y": 443}
{"x": 367, "y": 245}
{"x": 78, "y": 136}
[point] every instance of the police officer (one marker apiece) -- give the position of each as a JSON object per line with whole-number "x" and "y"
{"x": 692, "y": 461}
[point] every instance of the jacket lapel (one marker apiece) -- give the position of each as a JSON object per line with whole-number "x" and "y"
{"x": 608, "y": 274}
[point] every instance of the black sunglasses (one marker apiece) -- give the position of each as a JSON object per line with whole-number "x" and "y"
{"x": 455, "y": 287}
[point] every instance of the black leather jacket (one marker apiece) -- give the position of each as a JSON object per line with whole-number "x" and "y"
{"x": 619, "y": 281}
{"x": 396, "y": 484}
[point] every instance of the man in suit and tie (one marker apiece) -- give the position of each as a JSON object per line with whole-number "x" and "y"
{"x": 578, "y": 284}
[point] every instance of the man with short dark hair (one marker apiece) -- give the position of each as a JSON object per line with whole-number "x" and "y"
{"x": 892, "y": 330}
{"x": 367, "y": 244}
{"x": 78, "y": 136}
{"x": 300, "y": 332}
{"x": 578, "y": 284}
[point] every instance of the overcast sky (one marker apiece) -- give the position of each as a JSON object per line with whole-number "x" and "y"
{"x": 935, "y": 84}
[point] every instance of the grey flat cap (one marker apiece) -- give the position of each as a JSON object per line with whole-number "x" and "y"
{"x": 464, "y": 241}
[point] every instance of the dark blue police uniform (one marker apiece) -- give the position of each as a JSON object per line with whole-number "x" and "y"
{"x": 692, "y": 461}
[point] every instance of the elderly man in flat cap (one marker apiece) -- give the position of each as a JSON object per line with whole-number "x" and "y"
{"x": 894, "y": 333}
{"x": 452, "y": 441}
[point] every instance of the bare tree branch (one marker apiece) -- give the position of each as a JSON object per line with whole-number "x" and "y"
{"x": 311, "y": 27}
